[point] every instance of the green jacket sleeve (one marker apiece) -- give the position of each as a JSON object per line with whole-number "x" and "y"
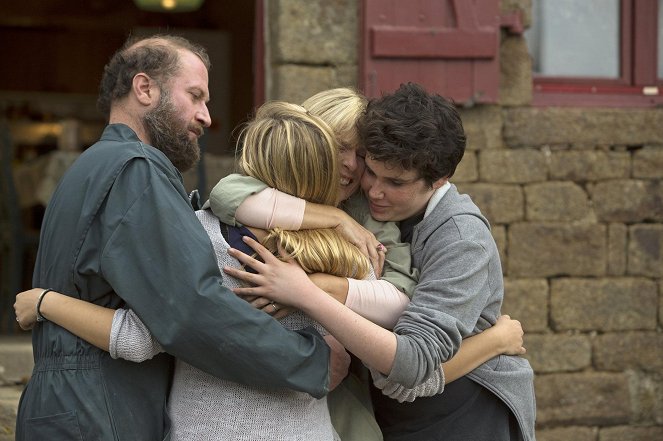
{"x": 160, "y": 261}
{"x": 232, "y": 190}
{"x": 398, "y": 261}
{"x": 229, "y": 193}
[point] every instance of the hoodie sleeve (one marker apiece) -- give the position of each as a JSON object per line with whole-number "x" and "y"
{"x": 453, "y": 290}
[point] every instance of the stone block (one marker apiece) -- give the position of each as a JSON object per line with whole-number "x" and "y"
{"x": 627, "y": 200}
{"x": 546, "y": 249}
{"x": 499, "y": 203}
{"x": 483, "y": 127}
{"x": 314, "y": 32}
{"x": 617, "y": 241}
{"x": 589, "y": 165}
{"x": 628, "y": 350}
{"x": 631, "y": 433}
{"x": 556, "y": 201}
{"x": 646, "y": 397}
{"x": 513, "y": 166}
{"x": 609, "y": 304}
{"x": 537, "y": 126}
{"x": 573, "y": 433}
{"x": 515, "y": 72}
{"x": 588, "y": 398}
{"x": 522, "y": 6}
{"x": 660, "y": 302}
{"x": 467, "y": 170}
{"x": 558, "y": 352}
{"x": 527, "y": 301}
{"x": 295, "y": 83}
{"x": 345, "y": 76}
{"x": 648, "y": 162}
{"x": 645, "y": 250}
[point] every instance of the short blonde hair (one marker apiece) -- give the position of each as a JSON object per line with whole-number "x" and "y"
{"x": 293, "y": 151}
{"x": 340, "y": 108}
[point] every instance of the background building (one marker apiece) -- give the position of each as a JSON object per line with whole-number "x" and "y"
{"x": 561, "y": 100}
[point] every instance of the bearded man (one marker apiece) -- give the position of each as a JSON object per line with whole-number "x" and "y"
{"x": 120, "y": 232}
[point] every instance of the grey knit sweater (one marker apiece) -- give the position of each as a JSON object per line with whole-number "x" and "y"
{"x": 203, "y": 407}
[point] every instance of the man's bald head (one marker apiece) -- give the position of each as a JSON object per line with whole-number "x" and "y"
{"x": 157, "y": 56}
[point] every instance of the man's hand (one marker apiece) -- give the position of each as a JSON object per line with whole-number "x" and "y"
{"x": 339, "y": 362}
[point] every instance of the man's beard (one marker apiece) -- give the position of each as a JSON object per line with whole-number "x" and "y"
{"x": 168, "y": 134}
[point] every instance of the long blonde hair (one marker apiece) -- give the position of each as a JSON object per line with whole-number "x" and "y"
{"x": 293, "y": 151}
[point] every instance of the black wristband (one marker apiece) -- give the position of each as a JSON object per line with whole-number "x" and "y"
{"x": 40, "y": 318}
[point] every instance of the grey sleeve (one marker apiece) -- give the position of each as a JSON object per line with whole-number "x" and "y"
{"x": 130, "y": 339}
{"x": 452, "y": 292}
{"x": 434, "y": 385}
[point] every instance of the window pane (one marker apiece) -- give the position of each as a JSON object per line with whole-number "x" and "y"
{"x": 575, "y": 38}
{"x": 660, "y": 39}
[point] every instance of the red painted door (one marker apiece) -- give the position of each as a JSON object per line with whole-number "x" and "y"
{"x": 450, "y": 47}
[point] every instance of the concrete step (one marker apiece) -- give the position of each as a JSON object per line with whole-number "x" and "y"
{"x": 15, "y": 358}
{"x": 9, "y": 396}
{"x": 15, "y": 369}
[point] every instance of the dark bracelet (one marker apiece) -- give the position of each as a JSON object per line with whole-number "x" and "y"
{"x": 40, "y": 318}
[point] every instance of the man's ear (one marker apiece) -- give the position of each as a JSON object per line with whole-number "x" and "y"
{"x": 439, "y": 183}
{"x": 144, "y": 89}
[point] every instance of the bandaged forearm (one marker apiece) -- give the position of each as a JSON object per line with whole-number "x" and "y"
{"x": 376, "y": 300}
{"x": 271, "y": 208}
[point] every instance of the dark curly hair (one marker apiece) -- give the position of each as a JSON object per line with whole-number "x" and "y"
{"x": 415, "y": 130}
{"x": 157, "y": 56}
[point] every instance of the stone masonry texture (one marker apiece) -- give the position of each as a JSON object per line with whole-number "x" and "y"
{"x": 574, "y": 196}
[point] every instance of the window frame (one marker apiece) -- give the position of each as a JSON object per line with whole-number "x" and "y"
{"x": 637, "y": 86}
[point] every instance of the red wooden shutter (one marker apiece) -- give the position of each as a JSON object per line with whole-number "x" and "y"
{"x": 450, "y": 47}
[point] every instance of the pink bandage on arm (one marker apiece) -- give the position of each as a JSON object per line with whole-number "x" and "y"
{"x": 271, "y": 208}
{"x": 376, "y": 300}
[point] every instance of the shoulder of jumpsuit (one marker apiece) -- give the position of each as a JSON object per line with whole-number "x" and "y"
{"x": 229, "y": 193}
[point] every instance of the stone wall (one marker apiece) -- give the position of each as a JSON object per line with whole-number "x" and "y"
{"x": 575, "y": 198}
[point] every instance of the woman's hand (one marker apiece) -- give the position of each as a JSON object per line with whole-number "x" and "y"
{"x": 509, "y": 335}
{"x": 25, "y": 308}
{"x": 284, "y": 282}
{"x": 363, "y": 239}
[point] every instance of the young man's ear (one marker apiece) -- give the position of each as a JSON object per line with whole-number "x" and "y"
{"x": 144, "y": 89}
{"x": 439, "y": 183}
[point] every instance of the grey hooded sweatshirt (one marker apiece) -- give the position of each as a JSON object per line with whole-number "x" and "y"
{"x": 459, "y": 294}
